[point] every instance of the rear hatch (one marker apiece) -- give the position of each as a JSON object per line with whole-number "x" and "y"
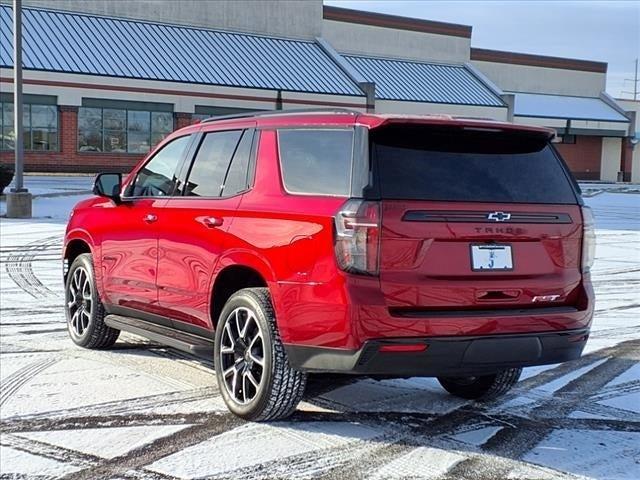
{"x": 474, "y": 219}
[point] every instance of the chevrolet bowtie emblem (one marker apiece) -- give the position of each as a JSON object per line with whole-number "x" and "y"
{"x": 498, "y": 216}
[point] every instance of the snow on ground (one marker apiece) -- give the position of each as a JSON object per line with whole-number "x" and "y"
{"x": 145, "y": 411}
{"x": 55, "y": 185}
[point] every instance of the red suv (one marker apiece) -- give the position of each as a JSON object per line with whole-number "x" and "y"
{"x": 336, "y": 241}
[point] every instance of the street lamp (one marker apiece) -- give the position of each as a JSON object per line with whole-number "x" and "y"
{"x": 18, "y": 198}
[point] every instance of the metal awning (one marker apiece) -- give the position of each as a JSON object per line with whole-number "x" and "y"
{"x": 415, "y": 81}
{"x": 96, "y": 45}
{"x": 566, "y": 108}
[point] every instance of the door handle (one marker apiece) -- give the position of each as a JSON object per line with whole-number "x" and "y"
{"x": 150, "y": 218}
{"x": 212, "y": 222}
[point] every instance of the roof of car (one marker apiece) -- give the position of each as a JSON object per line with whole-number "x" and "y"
{"x": 371, "y": 120}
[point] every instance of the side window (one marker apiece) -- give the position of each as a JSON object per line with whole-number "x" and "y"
{"x": 316, "y": 161}
{"x": 157, "y": 177}
{"x": 209, "y": 168}
{"x": 237, "y": 178}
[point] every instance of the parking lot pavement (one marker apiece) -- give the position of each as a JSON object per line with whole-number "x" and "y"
{"x": 145, "y": 411}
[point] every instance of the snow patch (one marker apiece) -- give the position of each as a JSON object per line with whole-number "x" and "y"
{"x": 607, "y": 455}
{"x": 256, "y": 444}
{"x": 422, "y": 462}
{"x": 104, "y": 442}
{"x": 20, "y": 464}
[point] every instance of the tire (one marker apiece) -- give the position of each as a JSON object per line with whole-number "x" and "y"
{"x": 486, "y": 387}
{"x": 248, "y": 349}
{"x": 83, "y": 309}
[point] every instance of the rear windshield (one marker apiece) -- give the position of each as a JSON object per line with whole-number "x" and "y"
{"x": 424, "y": 163}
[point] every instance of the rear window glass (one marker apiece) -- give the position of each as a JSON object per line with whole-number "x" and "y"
{"x": 466, "y": 165}
{"x": 316, "y": 161}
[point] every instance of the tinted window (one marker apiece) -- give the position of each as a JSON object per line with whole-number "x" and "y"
{"x": 157, "y": 177}
{"x": 119, "y": 130}
{"x": 209, "y": 169}
{"x": 40, "y": 123}
{"x": 316, "y": 161}
{"x": 464, "y": 165}
{"x": 237, "y": 178}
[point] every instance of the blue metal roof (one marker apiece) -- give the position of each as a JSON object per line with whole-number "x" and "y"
{"x": 424, "y": 82}
{"x": 565, "y": 107}
{"x": 77, "y": 43}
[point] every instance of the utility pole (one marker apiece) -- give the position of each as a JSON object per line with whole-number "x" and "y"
{"x": 19, "y": 198}
{"x": 635, "y": 81}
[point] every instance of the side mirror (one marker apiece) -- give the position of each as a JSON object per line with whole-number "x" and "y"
{"x": 108, "y": 185}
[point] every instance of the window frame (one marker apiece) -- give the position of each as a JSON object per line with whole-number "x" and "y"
{"x": 188, "y": 151}
{"x": 189, "y": 163}
{"x": 29, "y": 129}
{"x": 354, "y": 152}
{"x": 125, "y": 130}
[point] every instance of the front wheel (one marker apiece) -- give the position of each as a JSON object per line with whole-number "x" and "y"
{"x": 253, "y": 373}
{"x": 485, "y": 387}
{"x": 83, "y": 308}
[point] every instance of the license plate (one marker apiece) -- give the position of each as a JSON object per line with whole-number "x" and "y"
{"x": 491, "y": 257}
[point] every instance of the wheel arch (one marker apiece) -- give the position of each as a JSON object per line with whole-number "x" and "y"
{"x": 237, "y": 270}
{"x": 74, "y": 246}
{"x": 76, "y": 243}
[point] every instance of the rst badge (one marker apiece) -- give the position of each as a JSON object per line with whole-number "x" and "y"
{"x": 545, "y": 298}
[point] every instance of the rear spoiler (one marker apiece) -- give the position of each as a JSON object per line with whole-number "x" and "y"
{"x": 466, "y": 123}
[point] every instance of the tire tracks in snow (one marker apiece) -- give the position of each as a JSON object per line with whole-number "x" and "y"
{"x": 15, "y": 381}
{"x": 19, "y": 265}
{"x": 49, "y": 451}
{"x": 515, "y": 441}
{"x": 147, "y": 454}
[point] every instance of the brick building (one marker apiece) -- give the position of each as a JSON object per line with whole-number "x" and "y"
{"x": 104, "y": 81}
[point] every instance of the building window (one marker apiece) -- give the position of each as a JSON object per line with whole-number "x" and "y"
{"x": 121, "y": 131}
{"x": 40, "y": 123}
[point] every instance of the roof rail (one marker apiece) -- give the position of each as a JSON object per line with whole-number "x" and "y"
{"x": 269, "y": 113}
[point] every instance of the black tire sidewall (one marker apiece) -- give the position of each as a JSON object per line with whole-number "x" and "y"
{"x": 469, "y": 391}
{"x": 85, "y": 339}
{"x": 258, "y": 404}
{"x": 485, "y": 387}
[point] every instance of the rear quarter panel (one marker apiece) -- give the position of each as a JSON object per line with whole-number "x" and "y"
{"x": 289, "y": 240}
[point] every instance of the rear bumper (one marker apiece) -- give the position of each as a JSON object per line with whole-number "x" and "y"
{"x": 443, "y": 356}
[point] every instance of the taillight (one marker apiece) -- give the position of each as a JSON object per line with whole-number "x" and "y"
{"x": 357, "y": 241}
{"x": 588, "y": 239}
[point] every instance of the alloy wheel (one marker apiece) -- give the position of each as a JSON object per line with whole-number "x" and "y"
{"x": 241, "y": 357}
{"x": 80, "y": 301}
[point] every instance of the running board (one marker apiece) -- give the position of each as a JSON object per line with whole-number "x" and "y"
{"x": 168, "y": 336}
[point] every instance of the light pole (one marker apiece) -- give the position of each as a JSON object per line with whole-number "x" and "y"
{"x": 19, "y": 198}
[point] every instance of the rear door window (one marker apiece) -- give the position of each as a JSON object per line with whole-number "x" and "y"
{"x": 237, "y": 179}
{"x": 316, "y": 161}
{"x": 209, "y": 169}
{"x": 421, "y": 163}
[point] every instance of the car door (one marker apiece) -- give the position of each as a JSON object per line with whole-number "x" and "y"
{"x": 129, "y": 247}
{"x": 193, "y": 228}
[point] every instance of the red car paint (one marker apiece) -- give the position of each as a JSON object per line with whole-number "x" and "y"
{"x": 163, "y": 255}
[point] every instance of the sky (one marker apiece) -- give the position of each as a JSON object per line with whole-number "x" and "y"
{"x": 606, "y": 31}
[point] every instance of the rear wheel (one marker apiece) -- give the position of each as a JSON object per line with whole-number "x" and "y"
{"x": 83, "y": 308}
{"x": 485, "y": 387}
{"x": 253, "y": 373}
